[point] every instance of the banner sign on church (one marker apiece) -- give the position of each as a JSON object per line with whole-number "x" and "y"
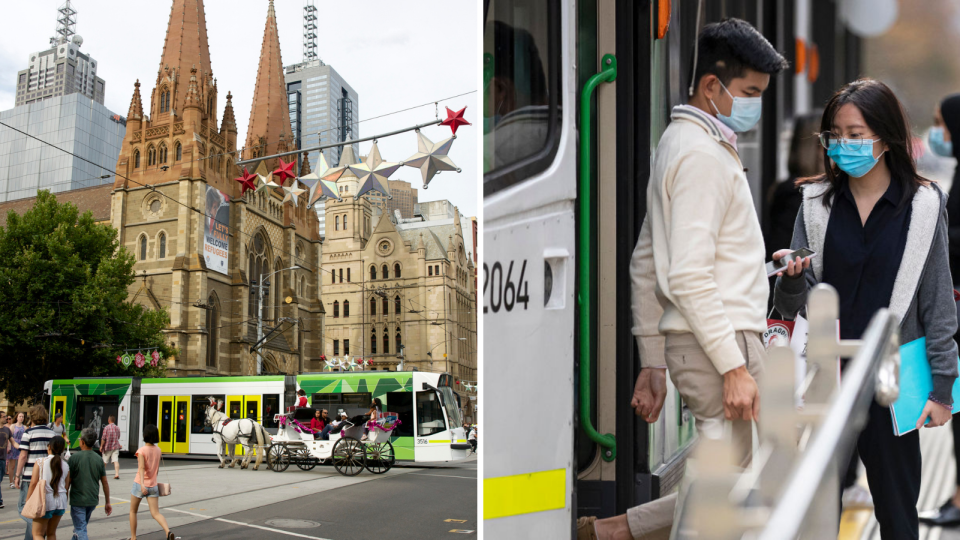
{"x": 216, "y": 246}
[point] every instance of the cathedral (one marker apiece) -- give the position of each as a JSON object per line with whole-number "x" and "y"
{"x": 202, "y": 246}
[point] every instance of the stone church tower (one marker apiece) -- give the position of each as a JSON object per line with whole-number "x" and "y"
{"x": 174, "y": 161}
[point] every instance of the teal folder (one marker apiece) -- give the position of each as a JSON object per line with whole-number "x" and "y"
{"x": 916, "y": 382}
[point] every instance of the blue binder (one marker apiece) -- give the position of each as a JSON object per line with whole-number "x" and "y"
{"x": 916, "y": 382}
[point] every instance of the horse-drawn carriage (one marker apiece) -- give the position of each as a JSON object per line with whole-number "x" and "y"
{"x": 347, "y": 448}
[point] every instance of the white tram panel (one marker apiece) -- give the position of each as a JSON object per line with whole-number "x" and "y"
{"x": 529, "y": 353}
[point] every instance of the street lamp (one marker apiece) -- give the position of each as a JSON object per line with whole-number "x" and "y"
{"x": 430, "y": 352}
{"x": 260, "y": 285}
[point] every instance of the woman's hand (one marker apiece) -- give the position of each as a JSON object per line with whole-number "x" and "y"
{"x": 938, "y": 414}
{"x": 794, "y": 268}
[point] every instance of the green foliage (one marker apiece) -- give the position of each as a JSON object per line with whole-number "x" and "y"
{"x": 63, "y": 301}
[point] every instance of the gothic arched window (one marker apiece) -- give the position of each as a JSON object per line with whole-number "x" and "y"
{"x": 396, "y": 271}
{"x": 385, "y": 272}
{"x": 346, "y": 308}
{"x": 373, "y": 306}
{"x": 373, "y": 342}
{"x": 386, "y": 343}
{"x": 386, "y": 307}
{"x": 336, "y": 308}
{"x": 143, "y": 247}
{"x": 336, "y": 223}
{"x": 162, "y": 241}
{"x": 178, "y": 152}
{"x": 398, "y": 343}
{"x": 163, "y": 153}
{"x": 373, "y": 273}
{"x": 136, "y": 159}
{"x": 396, "y": 305}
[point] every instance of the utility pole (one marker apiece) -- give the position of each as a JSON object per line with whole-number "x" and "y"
{"x": 259, "y": 322}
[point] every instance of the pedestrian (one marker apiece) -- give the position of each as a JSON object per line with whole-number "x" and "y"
{"x": 33, "y": 447}
{"x": 145, "y": 484}
{"x": 946, "y": 127}
{"x": 857, "y": 217}
{"x": 472, "y": 437}
{"x": 56, "y": 471}
{"x": 698, "y": 308}
{"x": 5, "y": 445}
{"x": 59, "y": 428}
{"x": 110, "y": 445}
{"x": 13, "y": 455}
{"x": 87, "y": 474}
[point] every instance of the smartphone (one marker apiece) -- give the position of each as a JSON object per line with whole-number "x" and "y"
{"x": 778, "y": 266}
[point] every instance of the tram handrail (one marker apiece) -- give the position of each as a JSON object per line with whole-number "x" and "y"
{"x": 608, "y": 73}
{"x": 841, "y": 425}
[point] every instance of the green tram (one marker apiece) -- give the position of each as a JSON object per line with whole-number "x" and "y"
{"x": 431, "y": 428}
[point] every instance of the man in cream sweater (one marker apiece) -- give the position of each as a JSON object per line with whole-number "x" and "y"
{"x": 699, "y": 284}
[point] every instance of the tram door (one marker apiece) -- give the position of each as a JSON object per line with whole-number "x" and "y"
{"x": 243, "y": 407}
{"x": 174, "y": 424}
{"x": 60, "y": 406}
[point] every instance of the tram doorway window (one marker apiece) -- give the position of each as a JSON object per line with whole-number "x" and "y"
{"x": 198, "y": 418}
{"x": 182, "y": 415}
{"x": 151, "y": 411}
{"x": 271, "y": 406}
{"x": 402, "y": 404}
{"x": 235, "y": 408}
{"x": 429, "y": 414}
{"x": 521, "y": 98}
{"x": 92, "y": 412}
{"x": 355, "y": 400}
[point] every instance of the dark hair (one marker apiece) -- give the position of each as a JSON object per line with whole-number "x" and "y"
{"x": 377, "y": 403}
{"x": 300, "y": 392}
{"x": 885, "y": 116}
{"x": 111, "y": 418}
{"x": 804, "y": 158}
{"x": 516, "y": 52}
{"x": 727, "y": 48}
{"x": 151, "y": 434}
{"x": 56, "y": 446}
{"x": 950, "y": 111}
{"x": 38, "y": 415}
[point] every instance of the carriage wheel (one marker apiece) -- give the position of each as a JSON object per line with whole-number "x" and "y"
{"x": 380, "y": 457}
{"x": 348, "y": 456}
{"x": 304, "y": 454}
{"x": 278, "y": 459}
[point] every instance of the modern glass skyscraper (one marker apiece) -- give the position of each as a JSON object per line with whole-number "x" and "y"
{"x": 323, "y": 110}
{"x": 73, "y": 123}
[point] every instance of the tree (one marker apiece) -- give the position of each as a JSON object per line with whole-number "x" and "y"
{"x": 63, "y": 301}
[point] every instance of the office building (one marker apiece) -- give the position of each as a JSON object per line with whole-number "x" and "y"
{"x": 324, "y": 108}
{"x": 62, "y": 69}
{"x": 86, "y": 139}
{"x": 404, "y": 198}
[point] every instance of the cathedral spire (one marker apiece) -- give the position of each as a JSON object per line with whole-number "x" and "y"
{"x": 186, "y": 45}
{"x": 192, "y": 99}
{"x": 229, "y": 121}
{"x": 136, "y": 104}
{"x": 269, "y": 117}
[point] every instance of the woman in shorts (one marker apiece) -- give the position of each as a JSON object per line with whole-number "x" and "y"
{"x": 145, "y": 484}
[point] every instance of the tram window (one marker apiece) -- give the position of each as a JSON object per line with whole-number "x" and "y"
{"x": 352, "y": 399}
{"x": 271, "y": 406}
{"x": 521, "y": 98}
{"x": 402, "y": 404}
{"x": 198, "y": 413}
{"x": 92, "y": 411}
{"x": 151, "y": 409}
{"x": 429, "y": 414}
{"x": 182, "y": 411}
{"x": 450, "y": 403}
{"x": 235, "y": 409}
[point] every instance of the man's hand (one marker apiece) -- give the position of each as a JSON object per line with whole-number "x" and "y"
{"x": 16, "y": 481}
{"x": 649, "y": 393}
{"x": 741, "y": 397}
{"x": 108, "y": 508}
{"x": 938, "y": 415}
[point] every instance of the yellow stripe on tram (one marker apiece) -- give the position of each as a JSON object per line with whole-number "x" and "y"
{"x": 524, "y": 493}
{"x": 440, "y": 441}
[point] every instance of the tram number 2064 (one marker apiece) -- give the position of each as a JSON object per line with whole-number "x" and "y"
{"x": 504, "y": 292}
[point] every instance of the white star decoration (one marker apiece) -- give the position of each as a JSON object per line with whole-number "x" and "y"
{"x": 373, "y": 175}
{"x": 266, "y": 182}
{"x": 431, "y": 158}
{"x": 292, "y": 193}
{"x": 323, "y": 181}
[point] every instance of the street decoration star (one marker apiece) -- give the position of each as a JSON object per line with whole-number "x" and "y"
{"x": 247, "y": 182}
{"x": 323, "y": 189}
{"x": 285, "y": 170}
{"x": 266, "y": 182}
{"x": 455, "y": 120}
{"x": 373, "y": 174}
{"x": 292, "y": 193}
{"x": 431, "y": 157}
{"x": 322, "y": 182}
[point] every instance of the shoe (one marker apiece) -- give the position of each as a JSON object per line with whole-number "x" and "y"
{"x": 1, "y": 505}
{"x": 945, "y": 516}
{"x": 857, "y": 497}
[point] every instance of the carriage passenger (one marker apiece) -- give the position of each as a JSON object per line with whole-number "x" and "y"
{"x": 301, "y": 398}
{"x": 375, "y": 412}
{"x": 318, "y": 422}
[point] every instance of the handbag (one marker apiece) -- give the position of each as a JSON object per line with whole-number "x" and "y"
{"x": 36, "y": 505}
{"x": 163, "y": 489}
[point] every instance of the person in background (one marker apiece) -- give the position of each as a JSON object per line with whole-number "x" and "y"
{"x": 946, "y": 127}
{"x": 5, "y": 444}
{"x": 33, "y": 445}
{"x": 86, "y": 475}
{"x": 145, "y": 484}
{"x": 301, "y": 398}
{"x": 856, "y": 217}
{"x": 110, "y": 445}
{"x": 330, "y": 427}
{"x": 13, "y": 455}
{"x": 59, "y": 428}
{"x": 472, "y": 437}
{"x": 56, "y": 471}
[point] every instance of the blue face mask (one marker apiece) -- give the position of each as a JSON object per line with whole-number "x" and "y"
{"x": 855, "y": 162}
{"x": 939, "y": 146}
{"x": 744, "y": 114}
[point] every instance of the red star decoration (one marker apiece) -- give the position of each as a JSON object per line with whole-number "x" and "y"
{"x": 455, "y": 120}
{"x": 285, "y": 170}
{"x": 246, "y": 182}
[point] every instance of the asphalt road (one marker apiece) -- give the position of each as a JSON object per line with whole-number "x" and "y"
{"x": 438, "y": 501}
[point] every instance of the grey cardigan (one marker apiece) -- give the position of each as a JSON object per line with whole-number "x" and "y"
{"x": 922, "y": 297}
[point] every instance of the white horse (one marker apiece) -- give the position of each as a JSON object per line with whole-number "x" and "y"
{"x": 245, "y": 432}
